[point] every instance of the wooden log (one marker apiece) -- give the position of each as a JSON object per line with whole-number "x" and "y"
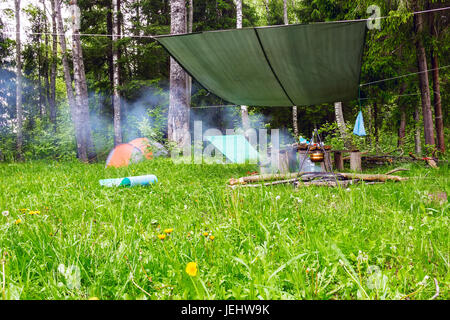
{"x": 326, "y": 163}
{"x": 355, "y": 161}
{"x": 338, "y": 161}
{"x": 283, "y": 162}
{"x": 294, "y": 175}
{"x": 431, "y": 163}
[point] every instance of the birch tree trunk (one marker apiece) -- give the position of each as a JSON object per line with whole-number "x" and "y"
{"x": 19, "y": 111}
{"x": 178, "y": 116}
{"x": 190, "y": 22}
{"x": 285, "y": 15}
{"x": 116, "y": 97}
{"x": 244, "y": 109}
{"x": 423, "y": 81}
{"x": 294, "y": 108}
{"x": 341, "y": 125}
{"x": 68, "y": 79}
{"x": 53, "y": 67}
{"x": 81, "y": 93}
{"x": 266, "y": 4}
{"x": 46, "y": 60}
{"x": 39, "y": 67}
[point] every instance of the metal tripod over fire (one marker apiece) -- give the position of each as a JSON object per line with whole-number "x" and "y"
{"x": 318, "y": 155}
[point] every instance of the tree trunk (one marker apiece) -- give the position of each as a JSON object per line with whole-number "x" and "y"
{"x": 116, "y": 97}
{"x": 46, "y": 64}
{"x": 238, "y": 14}
{"x": 295, "y": 121}
{"x": 178, "y": 116}
{"x": 39, "y": 67}
{"x": 369, "y": 137}
{"x": 81, "y": 93}
{"x": 439, "y": 123}
{"x": 109, "y": 53}
{"x": 341, "y": 125}
{"x": 266, "y": 4}
{"x": 375, "y": 123}
{"x": 423, "y": 82}
{"x": 294, "y": 108}
{"x": 402, "y": 126}
{"x": 190, "y": 22}
{"x": 244, "y": 109}
{"x": 68, "y": 81}
{"x": 19, "y": 111}
{"x": 417, "y": 141}
{"x": 53, "y": 68}
{"x": 285, "y": 14}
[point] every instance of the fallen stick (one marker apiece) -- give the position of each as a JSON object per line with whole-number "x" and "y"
{"x": 431, "y": 163}
{"x": 264, "y": 177}
{"x": 395, "y": 170}
{"x": 343, "y": 183}
{"x": 371, "y": 177}
{"x": 265, "y": 184}
{"x": 437, "y": 290}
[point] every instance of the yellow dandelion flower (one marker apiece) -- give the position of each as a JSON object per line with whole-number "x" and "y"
{"x": 191, "y": 269}
{"x": 34, "y": 212}
{"x": 212, "y": 237}
{"x": 18, "y": 221}
{"x": 168, "y": 230}
{"x": 161, "y": 236}
{"x": 23, "y": 209}
{"x": 206, "y": 234}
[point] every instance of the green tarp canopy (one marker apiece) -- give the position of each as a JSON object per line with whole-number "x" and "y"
{"x": 274, "y": 66}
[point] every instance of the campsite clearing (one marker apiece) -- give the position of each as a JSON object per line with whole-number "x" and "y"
{"x": 63, "y": 236}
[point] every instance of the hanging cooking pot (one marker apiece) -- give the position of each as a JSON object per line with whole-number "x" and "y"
{"x": 316, "y": 156}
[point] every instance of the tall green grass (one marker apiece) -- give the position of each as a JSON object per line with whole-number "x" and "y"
{"x": 386, "y": 241}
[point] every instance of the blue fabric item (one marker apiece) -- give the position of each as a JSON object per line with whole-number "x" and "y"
{"x": 235, "y": 148}
{"x": 359, "y": 125}
{"x": 303, "y": 140}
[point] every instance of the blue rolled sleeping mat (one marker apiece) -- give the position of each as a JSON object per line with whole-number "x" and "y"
{"x": 130, "y": 181}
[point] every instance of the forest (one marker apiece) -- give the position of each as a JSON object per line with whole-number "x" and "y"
{"x": 84, "y": 76}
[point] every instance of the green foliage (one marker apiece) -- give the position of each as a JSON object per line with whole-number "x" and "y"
{"x": 44, "y": 142}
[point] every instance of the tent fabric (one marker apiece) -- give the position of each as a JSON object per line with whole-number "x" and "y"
{"x": 143, "y": 144}
{"x": 274, "y": 66}
{"x": 122, "y": 155}
{"x": 131, "y": 152}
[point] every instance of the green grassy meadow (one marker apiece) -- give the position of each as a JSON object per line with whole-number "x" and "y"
{"x": 63, "y": 236}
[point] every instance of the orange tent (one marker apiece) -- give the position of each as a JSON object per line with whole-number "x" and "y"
{"x": 144, "y": 145}
{"x": 131, "y": 152}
